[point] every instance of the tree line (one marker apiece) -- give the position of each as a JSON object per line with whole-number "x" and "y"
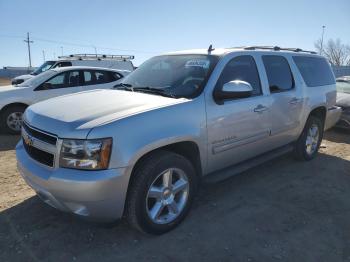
{"x": 335, "y": 51}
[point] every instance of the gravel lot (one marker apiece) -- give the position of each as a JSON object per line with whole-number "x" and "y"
{"x": 282, "y": 210}
{"x": 4, "y": 81}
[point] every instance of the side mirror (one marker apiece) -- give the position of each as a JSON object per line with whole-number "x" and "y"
{"x": 233, "y": 89}
{"x": 46, "y": 86}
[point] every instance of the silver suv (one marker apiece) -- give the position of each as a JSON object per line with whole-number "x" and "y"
{"x": 141, "y": 149}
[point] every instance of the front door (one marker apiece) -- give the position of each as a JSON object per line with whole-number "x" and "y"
{"x": 238, "y": 129}
{"x": 67, "y": 82}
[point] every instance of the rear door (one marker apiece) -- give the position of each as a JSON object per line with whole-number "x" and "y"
{"x": 67, "y": 82}
{"x": 287, "y": 101}
{"x": 99, "y": 79}
{"x": 239, "y": 128}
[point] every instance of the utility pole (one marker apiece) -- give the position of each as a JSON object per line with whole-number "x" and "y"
{"x": 44, "y": 55}
{"x": 61, "y": 50}
{"x": 323, "y": 27}
{"x": 28, "y": 41}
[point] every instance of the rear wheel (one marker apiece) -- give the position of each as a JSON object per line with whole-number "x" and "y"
{"x": 11, "y": 119}
{"x": 161, "y": 192}
{"x": 306, "y": 148}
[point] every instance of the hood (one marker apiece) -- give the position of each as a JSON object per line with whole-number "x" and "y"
{"x": 73, "y": 116}
{"x": 11, "y": 88}
{"x": 25, "y": 77}
{"x": 6, "y": 88}
{"x": 343, "y": 99}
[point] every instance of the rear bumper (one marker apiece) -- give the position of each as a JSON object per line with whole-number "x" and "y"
{"x": 344, "y": 121}
{"x": 333, "y": 115}
{"x": 99, "y": 195}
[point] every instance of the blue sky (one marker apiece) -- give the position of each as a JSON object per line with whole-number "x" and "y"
{"x": 147, "y": 28}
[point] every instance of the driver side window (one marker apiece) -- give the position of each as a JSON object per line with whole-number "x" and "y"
{"x": 57, "y": 81}
{"x": 62, "y": 80}
{"x": 241, "y": 68}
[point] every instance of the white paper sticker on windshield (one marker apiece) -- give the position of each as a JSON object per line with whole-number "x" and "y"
{"x": 197, "y": 63}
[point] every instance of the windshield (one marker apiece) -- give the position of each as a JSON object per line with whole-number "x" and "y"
{"x": 37, "y": 80}
{"x": 343, "y": 87}
{"x": 175, "y": 75}
{"x": 44, "y": 67}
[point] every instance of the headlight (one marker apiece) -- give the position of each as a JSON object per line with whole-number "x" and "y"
{"x": 86, "y": 154}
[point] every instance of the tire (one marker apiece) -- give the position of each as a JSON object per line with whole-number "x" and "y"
{"x": 141, "y": 201}
{"x": 8, "y": 114}
{"x": 306, "y": 147}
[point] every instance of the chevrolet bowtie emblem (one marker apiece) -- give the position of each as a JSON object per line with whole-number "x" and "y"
{"x": 28, "y": 140}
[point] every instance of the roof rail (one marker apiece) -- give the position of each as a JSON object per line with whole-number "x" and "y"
{"x": 277, "y": 48}
{"x": 97, "y": 56}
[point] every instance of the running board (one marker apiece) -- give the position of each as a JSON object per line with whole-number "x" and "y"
{"x": 245, "y": 165}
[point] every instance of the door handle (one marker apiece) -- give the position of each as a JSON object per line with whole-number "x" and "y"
{"x": 295, "y": 101}
{"x": 260, "y": 109}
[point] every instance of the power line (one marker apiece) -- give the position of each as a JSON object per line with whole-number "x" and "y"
{"x": 40, "y": 39}
{"x": 90, "y": 45}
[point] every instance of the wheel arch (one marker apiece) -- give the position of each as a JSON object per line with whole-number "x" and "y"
{"x": 320, "y": 112}
{"x": 13, "y": 104}
{"x": 187, "y": 148}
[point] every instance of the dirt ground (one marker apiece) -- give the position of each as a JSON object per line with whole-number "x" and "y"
{"x": 4, "y": 81}
{"x": 282, "y": 210}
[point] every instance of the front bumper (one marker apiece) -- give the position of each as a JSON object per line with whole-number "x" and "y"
{"x": 99, "y": 195}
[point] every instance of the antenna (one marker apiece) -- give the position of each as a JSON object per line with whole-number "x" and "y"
{"x": 210, "y": 48}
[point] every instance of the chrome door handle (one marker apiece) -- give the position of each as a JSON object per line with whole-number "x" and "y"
{"x": 260, "y": 109}
{"x": 295, "y": 101}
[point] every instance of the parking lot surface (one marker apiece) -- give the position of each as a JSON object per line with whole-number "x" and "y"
{"x": 283, "y": 210}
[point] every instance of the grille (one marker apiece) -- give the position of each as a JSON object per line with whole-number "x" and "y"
{"x": 39, "y": 155}
{"x": 50, "y": 139}
{"x": 37, "y": 151}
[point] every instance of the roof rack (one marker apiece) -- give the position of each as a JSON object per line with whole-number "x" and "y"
{"x": 97, "y": 56}
{"x": 277, "y": 48}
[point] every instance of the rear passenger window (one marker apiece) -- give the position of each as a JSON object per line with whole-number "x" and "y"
{"x": 115, "y": 76}
{"x": 278, "y": 73}
{"x": 73, "y": 78}
{"x": 315, "y": 70}
{"x": 241, "y": 68}
{"x": 99, "y": 77}
{"x": 102, "y": 77}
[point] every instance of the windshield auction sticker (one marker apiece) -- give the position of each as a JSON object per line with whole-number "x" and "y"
{"x": 197, "y": 63}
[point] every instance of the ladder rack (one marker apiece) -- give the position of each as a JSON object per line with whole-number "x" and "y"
{"x": 97, "y": 56}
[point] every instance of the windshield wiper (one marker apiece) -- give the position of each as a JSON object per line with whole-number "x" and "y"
{"x": 153, "y": 90}
{"x": 127, "y": 87}
{"x": 144, "y": 89}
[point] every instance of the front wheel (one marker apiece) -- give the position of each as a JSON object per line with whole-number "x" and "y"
{"x": 11, "y": 119}
{"x": 306, "y": 148}
{"x": 161, "y": 192}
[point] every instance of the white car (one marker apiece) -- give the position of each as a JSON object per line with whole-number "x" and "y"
{"x": 52, "y": 83}
{"x": 119, "y": 62}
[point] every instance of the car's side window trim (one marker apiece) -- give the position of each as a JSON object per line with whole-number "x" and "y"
{"x": 290, "y": 71}
{"x": 261, "y": 93}
{"x": 65, "y": 85}
{"x": 39, "y": 87}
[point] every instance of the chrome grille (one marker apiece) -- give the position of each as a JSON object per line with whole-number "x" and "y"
{"x": 40, "y": 146}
